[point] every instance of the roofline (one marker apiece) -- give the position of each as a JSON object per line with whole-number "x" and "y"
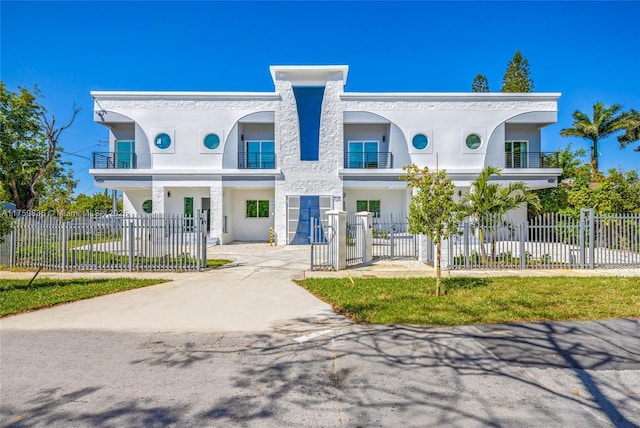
{"x": 448, "y": 96}
{"x": 119, "y": 95}
{"x": 309, "y": 74}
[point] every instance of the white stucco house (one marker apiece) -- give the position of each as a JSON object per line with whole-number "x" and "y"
{"x": 257, "y": 161}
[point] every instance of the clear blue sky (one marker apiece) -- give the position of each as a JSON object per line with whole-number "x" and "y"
{"x": 589, "y": 51}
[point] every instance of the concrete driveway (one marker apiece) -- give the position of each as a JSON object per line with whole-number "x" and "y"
{"x": 254, "y": 293}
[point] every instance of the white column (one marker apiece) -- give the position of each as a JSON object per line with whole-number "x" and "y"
{"x": 426, "y": 249}
{"x": 157, "y": 198}
{"x": 216, "y": 205}
{"x": 366, "y": 235}
{"x": 337, "y": 221}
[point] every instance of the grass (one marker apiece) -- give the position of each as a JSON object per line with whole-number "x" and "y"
{"x": 17, "y": 296}
{"x": 479, "y": 300}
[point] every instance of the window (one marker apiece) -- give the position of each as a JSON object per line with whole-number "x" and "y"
{"x": 260, "y": 154}
{"x": 473, "y": 141}
{"x": 147, "y": 206}
{"x": 211, "y": 141}
{"x": 363, "y": 154}
{"x": 516, "y": 154}
{"x": 125, "y": 154}
{"x": 370, "y": 206}
{"x": 257, "y": 209}
{"x": 162, "y": 141}
{"x": 420, "y": 141}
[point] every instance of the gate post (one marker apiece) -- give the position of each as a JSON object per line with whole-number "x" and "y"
{"x": 581, "y": 240}
{"x": 337, "y": 220}
{"x": 364, "y": 235}
{"x": 592, "y": 232}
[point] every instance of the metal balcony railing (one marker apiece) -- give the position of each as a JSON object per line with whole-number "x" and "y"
{"x": 531, "y": 160}
{"x": 114, "y": 160}
{"x": 368, "y": 160}
{"x": 256, "y": 160}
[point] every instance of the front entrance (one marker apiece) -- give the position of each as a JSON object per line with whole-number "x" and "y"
{"x": 301, "y": 210}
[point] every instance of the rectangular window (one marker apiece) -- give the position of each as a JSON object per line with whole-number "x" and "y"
{"x": 125, "y": 154}
{"x": 516, "y": 154}
{"x": 363, "y": 154}
{"x": 260, "y": 154}
{"x": 370, "y": 206}
{"x": 257, "y": 209}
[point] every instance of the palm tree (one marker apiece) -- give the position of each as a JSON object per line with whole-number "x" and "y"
{"x": 606, "y": 122}
{"x": 632, "y": 132}
{"x": 493, "y": 199}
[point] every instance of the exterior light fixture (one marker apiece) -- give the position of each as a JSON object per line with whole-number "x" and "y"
{"x": 168, "y": 194}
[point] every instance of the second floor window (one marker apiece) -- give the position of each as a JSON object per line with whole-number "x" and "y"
{"x": 363, "y": 154}
{"x": 260, "y": 154}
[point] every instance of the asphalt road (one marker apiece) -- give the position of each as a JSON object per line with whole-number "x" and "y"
{"x": 560, "y": 374}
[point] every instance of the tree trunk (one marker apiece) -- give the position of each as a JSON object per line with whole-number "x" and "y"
{"x": 438, "y": 270}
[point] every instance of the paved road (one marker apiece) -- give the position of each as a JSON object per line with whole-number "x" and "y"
{"x": 66, "y": 367}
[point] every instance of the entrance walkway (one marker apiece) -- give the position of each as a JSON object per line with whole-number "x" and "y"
{"x": 254, "y": 293}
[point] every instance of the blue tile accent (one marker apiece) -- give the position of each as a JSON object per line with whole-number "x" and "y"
{"x": 309, "y": 103}
{"x": 309, "y": 208}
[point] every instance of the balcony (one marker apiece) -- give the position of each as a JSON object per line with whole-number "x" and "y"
{"x": 114, "y": 160}
{"x": 375, "y": 160}
{"x": 256, "y": 160}
{"x": 531, "y": 160}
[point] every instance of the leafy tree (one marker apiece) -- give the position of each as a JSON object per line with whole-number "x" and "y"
{"x": 57, "y": 192}
{"x": 605, "y": 122}
{"x": 432, "y": 211}
{"x": 516, "y": 77}
{"x": 480, "y": 84}
{"x": 6, "y": 225}
{"x": 30, "y": 152}
{"x": 98, "y": 202}
{"x": 493, "y": 199}
{"x": 555, "y": 199}
{"x": 632, "y": 130}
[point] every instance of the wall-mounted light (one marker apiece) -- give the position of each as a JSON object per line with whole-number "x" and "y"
{"x": 383, "y": 138}
{"x": 241, "y": 137}
{"x": 460, "y": 193}
{"x": 168, "y": 194}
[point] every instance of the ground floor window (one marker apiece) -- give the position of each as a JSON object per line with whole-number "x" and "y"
{"x": 257, "y": 209}
{"x": 370, "y": 206}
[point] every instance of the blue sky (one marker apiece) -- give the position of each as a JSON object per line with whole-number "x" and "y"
{"x": 588, "y": 51}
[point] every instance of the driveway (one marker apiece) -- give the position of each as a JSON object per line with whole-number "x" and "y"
{"x": 254, "y": 293}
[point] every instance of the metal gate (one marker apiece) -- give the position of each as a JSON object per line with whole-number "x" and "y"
{"x": 391, "y": 238}
{"x": 321, "y": 239}
{"x": 356, "y": 240}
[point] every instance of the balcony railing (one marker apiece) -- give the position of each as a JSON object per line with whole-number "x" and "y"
{"x": 256, "y": 160}
{"x": 368, "y": 160}
{"x": 531, "y": 160}
{"x": 114, "y": 160}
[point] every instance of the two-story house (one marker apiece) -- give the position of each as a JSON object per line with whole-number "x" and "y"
{"x": 257, "y": 161}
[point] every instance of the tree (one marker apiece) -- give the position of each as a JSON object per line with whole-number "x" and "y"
{"x": 432, "y": 211}
{"x": 605, "y": 122}
{"x": 57, "y": 192}
{"x": 516, "y": 77}
{"x": 30, "y": 152}
{"x": 632, "y": 130}
{"x": 493, "y": 199}
{"x": 6, "y": 225}
{"x": 98, "y": 202}
{"x": 480, "y": 84}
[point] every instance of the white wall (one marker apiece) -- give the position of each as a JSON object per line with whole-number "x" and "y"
{"x": 132, "y": 200}
{"x": 249, "y": 229}
{"x": 391, "y": 201}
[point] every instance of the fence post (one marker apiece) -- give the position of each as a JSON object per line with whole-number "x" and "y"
{"x": 581, "y": 240}
{"x": 198, "y": 249}
{"x": 63, "y": 244}
{"x": 466, "y": 242}
{"x": 337, "y": 248}
{"x": 365, "y": 235}
{"x": 523, "y": 260}
{"x": 592, "y": 228}
{"x": 131, "y": 247}
{"x": 12, "y": 249}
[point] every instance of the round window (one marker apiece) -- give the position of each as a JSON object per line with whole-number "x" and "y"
{"x": 147, "y": 206}
{"x": 162, "y": 141}
{"x": 474, "y": 141}
{"x": 420, "y": 141}
{"x": 211, "y": 141}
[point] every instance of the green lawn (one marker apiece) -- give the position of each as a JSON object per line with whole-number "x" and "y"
{"x": 16, "y": 296}
{"x": 479, "y": 300}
